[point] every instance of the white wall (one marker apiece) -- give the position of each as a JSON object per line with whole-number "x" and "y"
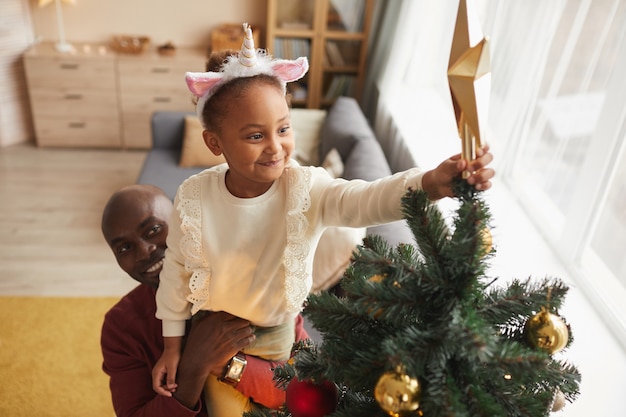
{"x": 183, "y": 22}
{"x": 15, "y": 37}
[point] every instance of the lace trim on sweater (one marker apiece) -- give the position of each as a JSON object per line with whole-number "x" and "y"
{"x": 297, "y": 249}
{"x": 190, "y": 209}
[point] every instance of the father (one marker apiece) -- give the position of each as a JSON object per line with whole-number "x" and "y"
{"x": 134, "y": 224}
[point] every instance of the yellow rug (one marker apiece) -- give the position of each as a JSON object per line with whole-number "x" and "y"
{"x": 50, "y": 358}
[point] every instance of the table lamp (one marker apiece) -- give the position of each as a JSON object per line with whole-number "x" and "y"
{"x": 62, "y": 45}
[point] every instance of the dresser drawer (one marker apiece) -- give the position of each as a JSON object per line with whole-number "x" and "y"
{"x": 78, "y": 132}
{"x": 151, "y": 101}
{"x": 75, "y": 102}
{"x": 161, "y": 75}
{"x": 96, "y": 74}
{"x": 137, "y": 131}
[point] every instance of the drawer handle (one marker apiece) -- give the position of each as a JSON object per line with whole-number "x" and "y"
{"x": 73, "y": 97}
{"x": 162, "y": 99}
{"x": 160, "y": 70}
{"x": 76, "y": 125}
{"x": 69, "y": 66}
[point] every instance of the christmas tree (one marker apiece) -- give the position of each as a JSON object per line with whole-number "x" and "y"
{"x": 420, "y": 330}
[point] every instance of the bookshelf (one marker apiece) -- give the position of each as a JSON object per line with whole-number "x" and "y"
{"x": 333, "y": 34}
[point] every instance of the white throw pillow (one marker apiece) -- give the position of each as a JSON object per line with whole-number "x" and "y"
{"x": 307, "y": 125}
{"x": 333, "y": 255}
{"x": 333, "y": 163}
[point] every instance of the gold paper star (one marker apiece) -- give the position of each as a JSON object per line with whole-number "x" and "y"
{"x": 462, "y": 77}
{"x": 468, "y": 77}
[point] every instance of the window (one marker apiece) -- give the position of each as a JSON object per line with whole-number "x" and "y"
{"x": 569, "y": 148}
{"x": 558, "y": 111}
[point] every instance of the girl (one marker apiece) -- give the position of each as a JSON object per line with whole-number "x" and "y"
{"x": 244, "y": 233}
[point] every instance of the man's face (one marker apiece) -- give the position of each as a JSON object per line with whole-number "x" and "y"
{"x": 136, "y": 230}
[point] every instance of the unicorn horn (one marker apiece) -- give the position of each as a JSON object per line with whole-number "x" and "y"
{"x": 247, "y": 56}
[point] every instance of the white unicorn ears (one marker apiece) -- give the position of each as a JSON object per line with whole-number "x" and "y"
{"x": 249, "y": 63}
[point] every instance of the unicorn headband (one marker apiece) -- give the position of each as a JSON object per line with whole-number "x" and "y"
{"x": 250, "y": 62}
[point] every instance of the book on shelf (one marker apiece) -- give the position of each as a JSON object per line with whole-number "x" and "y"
{"x": 346, "y": 15}
{"x": 291, "y": 48}
{"x": 298, "y": 91}
{"x": 334, "y": 54}
{"x": 340, "y": 85}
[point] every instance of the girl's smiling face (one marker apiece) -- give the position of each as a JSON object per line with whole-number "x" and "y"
{"x": 255, "y": 137}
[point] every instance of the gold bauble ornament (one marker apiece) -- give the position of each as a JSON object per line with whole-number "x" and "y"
{"x": 375, "y": 314}
{"x": 485, "y": 236}
{"x": 397, "y": 393}
{"x": 559, "y": 401}
{"x": 377, "y": 278}
{"x": 546, "y": 331}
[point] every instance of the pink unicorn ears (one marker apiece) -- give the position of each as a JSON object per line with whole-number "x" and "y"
{"x": 285, "y": 70}
{"x": 249, "y": 63}
{"x": 201, "y": 82}
{"x": 290, "y": 70}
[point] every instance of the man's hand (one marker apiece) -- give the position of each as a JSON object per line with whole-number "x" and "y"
{"x": 214, "y": 338}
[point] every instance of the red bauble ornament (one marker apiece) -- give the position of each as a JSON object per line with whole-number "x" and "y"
{"x": 310, "y": 399}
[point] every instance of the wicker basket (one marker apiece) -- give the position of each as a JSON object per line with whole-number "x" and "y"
{"x": 130, "y": 44}
{"x": 230, "y": 36}
{"x": 167, "y": 49}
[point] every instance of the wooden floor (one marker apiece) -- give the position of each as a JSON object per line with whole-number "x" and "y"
{"x": 50, "y": 206}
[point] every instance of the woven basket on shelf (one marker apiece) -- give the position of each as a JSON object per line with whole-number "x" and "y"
{"x": 230, "y": 36}
{"x": 130, "y": 44}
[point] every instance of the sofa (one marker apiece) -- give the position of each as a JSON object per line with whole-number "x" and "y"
{"x": 342, "y": 131}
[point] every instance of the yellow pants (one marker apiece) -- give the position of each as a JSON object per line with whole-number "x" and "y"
{"x": 272, "y": 343}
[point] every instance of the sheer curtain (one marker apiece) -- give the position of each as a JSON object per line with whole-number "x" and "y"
{"x": 556, "y": 121}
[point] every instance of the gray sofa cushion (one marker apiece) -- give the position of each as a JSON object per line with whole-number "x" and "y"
{"x": 347, "y": 130}
{"x": 344, "y": 123}
{"x": 168, "y": 130}
{"x": 161, "y": 167}
{"x": 366, "y": 160}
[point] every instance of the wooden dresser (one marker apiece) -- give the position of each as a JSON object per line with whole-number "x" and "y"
{"x": 95, "y": 97}
{"x": 73, "y": 97}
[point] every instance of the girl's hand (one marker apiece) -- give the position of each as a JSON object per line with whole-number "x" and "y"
{"x": 438, "y": 182}
{"x": 480, "y": 176}
{"x": 164, "y": 375}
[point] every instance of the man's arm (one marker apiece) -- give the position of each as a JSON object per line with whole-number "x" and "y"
{"x": 129, "y": 353}
{"x": 257, "y": 381}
